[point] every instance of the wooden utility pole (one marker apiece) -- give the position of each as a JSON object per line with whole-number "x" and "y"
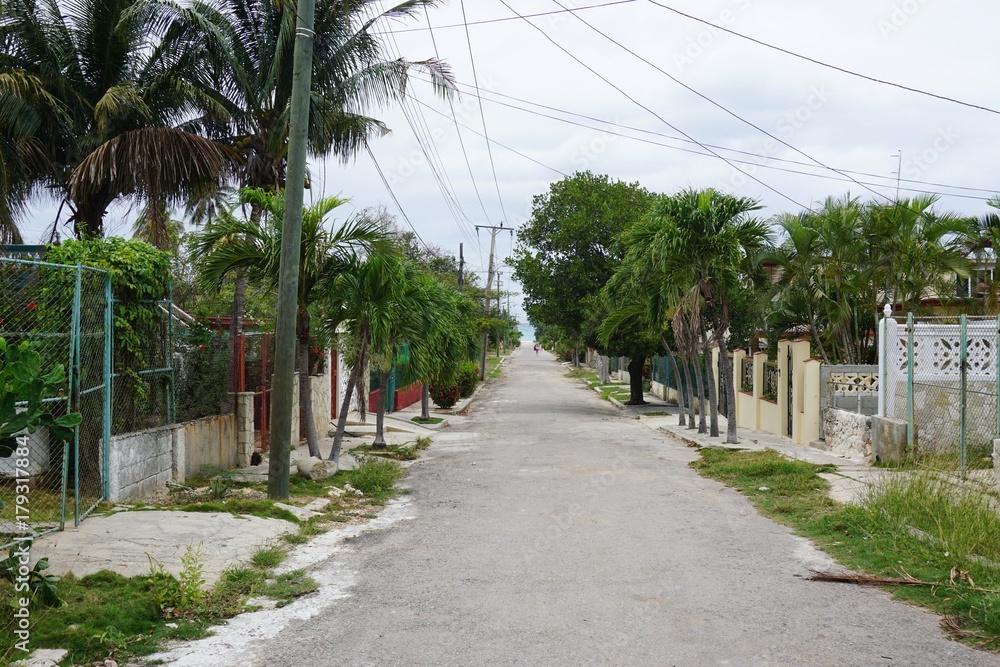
{"x": 291, "y": 240}
{"x": 461, "y": 267}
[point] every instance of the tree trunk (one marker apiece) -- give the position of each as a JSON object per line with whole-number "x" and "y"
{"x": 345, "y": 405}
{"x": 425, "y": 401}
{"x": 727, "y": 369}
{"x": 686, "y": 367}
{"x": 699, "y": 382}
{"x": 815, "y": 335}
{"x": 379, "y": 442}
{"x": 713, "y": 392}
{"x": 635, "y": 381}
{"x": 677, "y": 374}
{"x": 576, "y": 356}
{"x": 307, "y": 421}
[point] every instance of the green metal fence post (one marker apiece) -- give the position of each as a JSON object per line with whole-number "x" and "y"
{"x": 962, "y": 385}
{"x": 168, "y": 354}
{"x": 108, "y": 350}
{"x": 910, "y": 431}
{"x": 75, "y": 391}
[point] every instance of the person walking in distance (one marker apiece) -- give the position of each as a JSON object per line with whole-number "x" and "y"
{"x": 536, "y": 349}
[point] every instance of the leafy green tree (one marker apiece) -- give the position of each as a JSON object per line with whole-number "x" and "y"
{"x": 233, "y": 243}
{"x": 567, "y": 250}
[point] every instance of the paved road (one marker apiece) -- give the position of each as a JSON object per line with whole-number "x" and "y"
{"x": 548, "y": 530}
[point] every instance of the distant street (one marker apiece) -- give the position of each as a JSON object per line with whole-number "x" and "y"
{"x": 550, "y": 530}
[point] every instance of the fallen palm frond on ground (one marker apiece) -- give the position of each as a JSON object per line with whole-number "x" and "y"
{"x": 862, "y": 579}
{"x": 926, "y": 540}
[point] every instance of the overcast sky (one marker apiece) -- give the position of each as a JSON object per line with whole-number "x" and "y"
{"x": 834, "y": 119}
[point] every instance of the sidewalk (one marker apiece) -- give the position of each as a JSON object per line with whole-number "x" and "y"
{"x": 848, "y": 484}
{"x": 125, "y": 540}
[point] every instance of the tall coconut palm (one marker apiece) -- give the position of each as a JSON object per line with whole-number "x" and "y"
{"x": 241, "y": 51}
{"x": 88, "y": 98}
{"x": 233, "y": 243}
{"x": 245, "y": 50}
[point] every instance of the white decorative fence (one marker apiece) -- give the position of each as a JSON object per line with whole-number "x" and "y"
{"x": 942, "y": 377}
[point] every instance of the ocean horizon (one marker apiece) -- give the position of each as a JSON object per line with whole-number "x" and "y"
{"x": 527, "y": 332}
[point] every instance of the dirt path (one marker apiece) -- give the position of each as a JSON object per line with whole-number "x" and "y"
{"x": 548, "y": 530}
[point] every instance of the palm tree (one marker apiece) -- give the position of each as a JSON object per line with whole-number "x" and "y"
{"x": 245, "y": 47}
{"x": 982, "y": 240}
{"x": 241, "y": 51}
{"x": 232, "y": 244}
{"x": 89, "y": 95}
{"x": 360, "y": 304}
{"x": 709, "y": 240}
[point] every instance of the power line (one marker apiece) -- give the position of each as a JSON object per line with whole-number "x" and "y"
{"x": 717, "y": 104}
{"x": 715, "y": 146}
{"x": 458, "y": 131}
{"x": 393, "y": 195}
{"x": 649, "y": 110}
{"x": 827, "y": 65}
{"x": 513, "y": 18}
{"x": 493, "y": 141}
{"x": 482, "y": 114}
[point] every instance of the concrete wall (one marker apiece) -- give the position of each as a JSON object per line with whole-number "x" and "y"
{"x": 210, "y": 442}
{"x": 140, "y": 463}
{"x": 847, "y": 433}
{"x": 245, "y": 435}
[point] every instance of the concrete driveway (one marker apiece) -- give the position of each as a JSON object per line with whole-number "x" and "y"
{"x": 549, "y": 530}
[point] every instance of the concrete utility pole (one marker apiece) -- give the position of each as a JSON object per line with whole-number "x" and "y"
{"x": 461, "y": 267}
{"x": 499, "y": 293}
{"x": 291, "y": 240}
{"x": 489, "y": 284}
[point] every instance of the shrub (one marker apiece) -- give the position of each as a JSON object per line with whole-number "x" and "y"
{"x": 468, "y": 375}
{"x": 445, "y": 395}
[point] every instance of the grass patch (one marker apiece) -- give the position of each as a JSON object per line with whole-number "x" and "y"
{"x": 493, "y": 366}
{"x": 375, "y": 476}
{"x": 432, "y": 420}
{"x": 107, "y": 615}
{"x": 922, "y": 524}
{"x": 262, "y": 508}
{"x": 286, "y": 587}
{"x": 266, "y": 558}
{"x": 977, "y": 457}
{"x": 582, "y": 373}
{"x": 395, "y": 452}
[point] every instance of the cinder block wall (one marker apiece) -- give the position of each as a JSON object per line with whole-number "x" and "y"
{"x": 140, "y": 463}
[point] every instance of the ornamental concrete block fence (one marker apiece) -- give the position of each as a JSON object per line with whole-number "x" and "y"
{"x": 781, "y": 397}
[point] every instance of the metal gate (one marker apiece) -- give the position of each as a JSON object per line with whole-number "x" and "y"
{"x": 60, "y": 317}
{"x": 722, "y": 394}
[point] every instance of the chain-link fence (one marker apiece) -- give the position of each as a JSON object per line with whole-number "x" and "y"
{"x": 61, "y": 313}
{"x": 943, "y": 378}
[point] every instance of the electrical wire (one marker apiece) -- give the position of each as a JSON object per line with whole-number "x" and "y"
{"x": 718, "y": 105}
{"x": 504, "y": 146}
{"x": 606, "y": 123}
{"x": 512, "y": 18}
{"x": 482, "y": 114}
{"x": 392, "y": 194}
{"x": 656, "y": 115}
{"x": 827, "y": 65}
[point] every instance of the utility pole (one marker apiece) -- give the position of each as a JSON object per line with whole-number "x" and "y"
{"x": 899, "y": 170}
{"x": 291, "y": 240}
{"x": 499, "y": 292}
{"x": 461, "y": 267}
{"x": 489, "y": 284}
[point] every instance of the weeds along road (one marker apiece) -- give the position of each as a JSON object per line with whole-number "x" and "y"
{"x": 549, "y": 530}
